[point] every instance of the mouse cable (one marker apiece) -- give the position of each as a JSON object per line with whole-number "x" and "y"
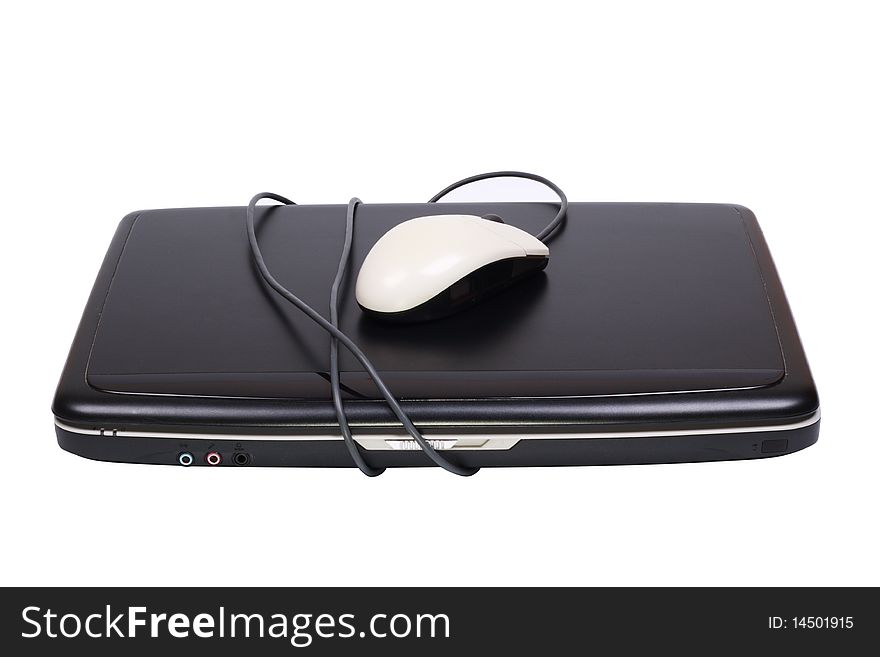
{"x": 563, "y": 199}
{"x": 347, "y": 342}
{"x": 336, "y": 335}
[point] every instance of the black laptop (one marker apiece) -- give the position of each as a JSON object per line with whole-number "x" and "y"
{"x": 659, "y": 332}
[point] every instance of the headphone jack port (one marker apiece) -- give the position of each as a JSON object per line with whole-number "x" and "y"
{"x": 241, "y": 458}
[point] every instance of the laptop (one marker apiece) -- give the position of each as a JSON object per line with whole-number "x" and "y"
{"x": 658, "y": 333}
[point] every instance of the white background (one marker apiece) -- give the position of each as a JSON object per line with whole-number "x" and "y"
{"x": 111, "y": 107}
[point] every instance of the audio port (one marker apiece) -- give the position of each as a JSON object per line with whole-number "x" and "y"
{"x": 185, "y": 459}
{"x": 241, "y": 458}
{"x": 213, "y": 458}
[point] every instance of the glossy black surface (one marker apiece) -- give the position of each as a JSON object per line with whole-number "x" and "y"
{"x": 669, "y": 295}
{"x": 638, "y": 298}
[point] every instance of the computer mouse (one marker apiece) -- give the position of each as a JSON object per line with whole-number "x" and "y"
{"x": 430, "y": 267}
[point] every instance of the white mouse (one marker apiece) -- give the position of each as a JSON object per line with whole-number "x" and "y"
{"x": 430, "y": 267}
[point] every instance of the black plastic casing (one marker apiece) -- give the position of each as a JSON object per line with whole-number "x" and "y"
{"x": 737, "y": 419}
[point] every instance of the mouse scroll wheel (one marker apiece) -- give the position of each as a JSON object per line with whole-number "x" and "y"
{"x": 493, "y": 217}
